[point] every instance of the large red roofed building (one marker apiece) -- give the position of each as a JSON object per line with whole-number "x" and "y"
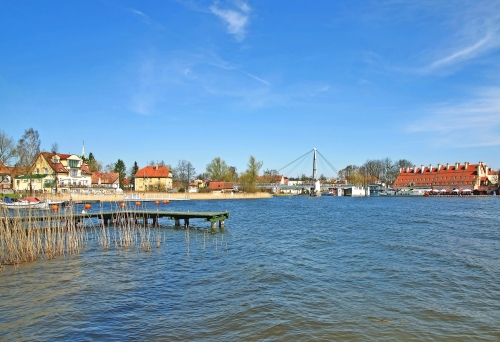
{"x": 153, "y": 178}
{"x": 459, "y": 176}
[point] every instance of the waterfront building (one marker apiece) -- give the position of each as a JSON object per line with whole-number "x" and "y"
{"x": 221, "y": 186}
{"x": 153, "y": 178}
{"x": 448, "y": 177}
{"x": 274, "y": 179}
{"x": 6, "y": 173}
{"x": 55, "y": 172}
{"x": 106, "y": 180}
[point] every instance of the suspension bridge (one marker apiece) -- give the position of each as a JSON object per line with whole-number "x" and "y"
{"x": 312, "y": 185}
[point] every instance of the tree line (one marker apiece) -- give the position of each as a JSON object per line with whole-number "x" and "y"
{"x": 373, "y": 171}
{"x": 24, "y": 152}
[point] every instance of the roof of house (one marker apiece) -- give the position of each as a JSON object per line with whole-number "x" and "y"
{"x": 221, "y": 185}
{"x": 85, "y": 169}
{"x": 57, "y": 167}
{"x": 105, "y": 177}
{"x": 270, "y": 179}
{"x": 5, "y": 170}
{"x": 447, "y": 175}
{"x": 156, "y": 171}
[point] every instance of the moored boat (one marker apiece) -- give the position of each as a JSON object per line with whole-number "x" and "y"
{"x": 27, "y": 203}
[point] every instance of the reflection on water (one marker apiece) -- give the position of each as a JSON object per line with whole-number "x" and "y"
{"x": 284, "y": 268}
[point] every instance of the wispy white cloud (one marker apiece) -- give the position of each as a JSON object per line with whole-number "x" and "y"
{"x": 473, "y": 32}
{"x": 177, "y": 77}
{"x": 255, "y": 77}
{"x": 145, "y": 18}
{"x": 236, "y": 19}
{"x": 463, "y": 54}
{"x": 477, "y": 119}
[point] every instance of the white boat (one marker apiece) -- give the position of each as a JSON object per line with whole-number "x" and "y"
{"x": 413, "y": 192}
{"x": 27, "y": 203}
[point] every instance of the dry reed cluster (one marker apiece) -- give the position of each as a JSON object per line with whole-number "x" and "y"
{"x": 25, "y": 238}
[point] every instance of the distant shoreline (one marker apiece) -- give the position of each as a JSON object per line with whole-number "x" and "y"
{"x": 157, "y": 195}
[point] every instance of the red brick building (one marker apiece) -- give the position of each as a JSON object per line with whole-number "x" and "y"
{"x": 221, "y": 186}
{"x": 459, "y": 176}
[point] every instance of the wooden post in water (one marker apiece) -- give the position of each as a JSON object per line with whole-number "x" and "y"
{"x": 186, "y": 223}
{"x": 177, "y": 223}
{"x": 221, "y": 224}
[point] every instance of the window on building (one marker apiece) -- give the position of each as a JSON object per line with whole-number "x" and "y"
{"x": 45, "y": 171}
{"x": 73, "y": 173}
{"x": 73, "y": 163}
{"x": 37, "y": 171}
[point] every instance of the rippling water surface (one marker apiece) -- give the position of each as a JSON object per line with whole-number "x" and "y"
{"x": 297, "y": 268}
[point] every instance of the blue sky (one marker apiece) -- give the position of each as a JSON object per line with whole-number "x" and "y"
{"x": 170, "y": 80}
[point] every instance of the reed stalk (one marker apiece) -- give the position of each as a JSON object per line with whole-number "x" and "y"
{"x": 23, "y": 238}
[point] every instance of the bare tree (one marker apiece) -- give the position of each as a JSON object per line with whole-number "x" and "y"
{"x": 110, "y": 167}
{"x": 7, "y": 148}
{"x": 184, "y": 172}
{"x": 27, "y": 150}
{"x": 346, "y": 172}
{"x": 190, "y": 171}
{"x": 234, "y": 174}
{"x": 402, "y": 163}
{"x": 270, "y": 175}
{"x": 374, "y": 170}
{"x": 54, "y": 148}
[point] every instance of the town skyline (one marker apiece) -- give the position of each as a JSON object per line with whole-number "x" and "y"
{"x": 197, "y": 80}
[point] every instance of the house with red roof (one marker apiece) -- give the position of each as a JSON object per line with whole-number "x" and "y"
{"x": 55, "y": 171}
{"x": 153, "y": 178}
{"x": 274, "y": 179}
{"x": 106, "y": 180}
{"x": 221, "y": 186}
{"x": 6, "y": 175}
{"x": 448, "y": 177}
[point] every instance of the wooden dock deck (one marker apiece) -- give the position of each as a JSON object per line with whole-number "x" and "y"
{"x": 108, "y": 218}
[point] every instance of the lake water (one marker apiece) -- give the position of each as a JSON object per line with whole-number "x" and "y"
{"x": 329, "y": 268}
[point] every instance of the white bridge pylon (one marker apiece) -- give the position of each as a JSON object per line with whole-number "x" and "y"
{"x": 314, "y": 185}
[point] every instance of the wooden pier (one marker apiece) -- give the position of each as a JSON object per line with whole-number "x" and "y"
{"x": 118, "y": 216}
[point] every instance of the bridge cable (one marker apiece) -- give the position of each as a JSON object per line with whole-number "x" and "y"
{"x": 329, "y": 164}
{"x": 295, "y": 160}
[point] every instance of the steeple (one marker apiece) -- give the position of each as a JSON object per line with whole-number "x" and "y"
{"x": 83, "y": 150}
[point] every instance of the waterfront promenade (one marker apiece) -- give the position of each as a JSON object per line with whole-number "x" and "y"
{"x": 155, "y": 196}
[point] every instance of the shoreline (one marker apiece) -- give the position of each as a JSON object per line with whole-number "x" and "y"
{"x": 156, "y": 195}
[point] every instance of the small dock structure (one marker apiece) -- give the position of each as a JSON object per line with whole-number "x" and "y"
{"x": 119, "y": 216}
